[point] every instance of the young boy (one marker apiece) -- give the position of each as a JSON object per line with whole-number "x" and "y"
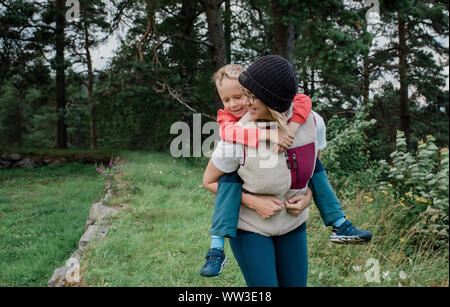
{"x": 228, "y": 197}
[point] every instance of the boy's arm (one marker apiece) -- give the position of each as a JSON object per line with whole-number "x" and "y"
{"x": 230, "y": 131}
{"x": 301, "y": 108}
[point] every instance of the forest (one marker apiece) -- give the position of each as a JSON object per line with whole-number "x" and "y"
{"x": 376, "y": 71}
{"x": 394, "y": 69}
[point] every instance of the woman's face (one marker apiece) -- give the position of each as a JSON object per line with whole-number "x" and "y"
{"x": 258, "y": 110}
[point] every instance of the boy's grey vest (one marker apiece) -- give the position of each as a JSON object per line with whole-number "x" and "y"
{"x": 282, "y": 175}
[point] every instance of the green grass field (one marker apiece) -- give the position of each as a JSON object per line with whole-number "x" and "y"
{"x": 161, "y": 240}
{"x": 161, "y": 236}
{"x": 42, "y": 217}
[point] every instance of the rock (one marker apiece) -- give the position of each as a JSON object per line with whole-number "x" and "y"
{"x": 100, "y": 214}
{"x": 68, "y": 275}
{"x": 26, "y": 163}
{"x": 89, "y": 222}
{"x": 58, "y": 278}
{"x": 5, "y": 164}
{"x": 55, "y": 163}
{"x": 93, "y": 232}
{"x": 97, "y": 226}
{"x": 11, "y": 157}
{"x": 47, "y": 161}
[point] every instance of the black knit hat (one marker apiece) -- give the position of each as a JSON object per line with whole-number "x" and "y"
{"x": 273, "y": 80}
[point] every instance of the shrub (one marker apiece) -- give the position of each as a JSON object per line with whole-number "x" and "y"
{"x": 348, "y": 146}
{"x": 420, "y": 184}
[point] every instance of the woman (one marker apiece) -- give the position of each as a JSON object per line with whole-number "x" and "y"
{"x": 270, "y": 246}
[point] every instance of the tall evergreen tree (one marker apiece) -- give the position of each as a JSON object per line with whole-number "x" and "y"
{"x": 60, "y": 67}
{"x": 84, "y": 34}
{"x": 416, "y": 44}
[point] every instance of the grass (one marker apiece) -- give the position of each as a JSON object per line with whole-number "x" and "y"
{"x": 42, "y": 217}
{"x": 162, "y": 237}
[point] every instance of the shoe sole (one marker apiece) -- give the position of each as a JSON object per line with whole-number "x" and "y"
{"x": 223, "y": 264}
{"x": 348, "y": 240}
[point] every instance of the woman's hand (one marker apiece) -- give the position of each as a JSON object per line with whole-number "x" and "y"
{"x": 297, "y": 204}
{"x": 266, "y": 206}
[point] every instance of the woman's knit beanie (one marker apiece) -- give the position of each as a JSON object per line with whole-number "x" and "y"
{"x": 273, "y": 80}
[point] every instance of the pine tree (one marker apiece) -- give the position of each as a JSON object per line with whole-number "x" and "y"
{"x": 416, "y": 55}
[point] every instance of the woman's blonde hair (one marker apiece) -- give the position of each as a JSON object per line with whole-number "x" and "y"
{"x": 230, "y": 71}
{"x": 280, "y": 118}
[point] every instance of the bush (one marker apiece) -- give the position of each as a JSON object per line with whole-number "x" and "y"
{"x": 420, "y": 184}
{"x": 348, "y": 146}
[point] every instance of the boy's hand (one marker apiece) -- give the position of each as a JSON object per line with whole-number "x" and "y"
{"x": 292, "y": 129}
{"x": 282, "y": 138}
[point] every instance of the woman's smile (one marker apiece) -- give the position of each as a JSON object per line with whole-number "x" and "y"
{"x": 258, "y": 111}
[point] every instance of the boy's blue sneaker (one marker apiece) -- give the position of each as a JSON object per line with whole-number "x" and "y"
{"x": 215, "y": 260}
{"x": 347, "y": 233}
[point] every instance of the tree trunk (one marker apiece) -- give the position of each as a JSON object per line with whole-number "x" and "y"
{"x": 90, "y": 88}
{"x": 60, "y": 77}
{"x": 366, "y": 80}
{"x": 187, "y": 47}
{"x": 216, "y": 37}
{"x": 403, "y": 71}
{"x": 366, "y": 38}
{"x": 227, "y": 23}
{"x": 283, "y": 32}
{"x": 313, "y": 84}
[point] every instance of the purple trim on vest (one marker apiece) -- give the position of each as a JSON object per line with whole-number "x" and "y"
{"x": 302, "y": 162}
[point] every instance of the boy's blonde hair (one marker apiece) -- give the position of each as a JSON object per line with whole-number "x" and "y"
{"x": 230, "y": 71}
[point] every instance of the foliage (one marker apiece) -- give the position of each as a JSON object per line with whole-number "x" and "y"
{"x": 348, "y": 146}
{"x": 420, "y": 183}
{"x": 335, "y": 55}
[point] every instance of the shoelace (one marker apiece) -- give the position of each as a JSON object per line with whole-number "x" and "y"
{"x": 213, "y": 259}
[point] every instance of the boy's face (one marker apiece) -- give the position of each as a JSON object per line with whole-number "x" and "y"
{"x": 232, "y": 97}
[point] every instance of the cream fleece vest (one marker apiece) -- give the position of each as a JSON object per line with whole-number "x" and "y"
{"x": 282, "y": 175}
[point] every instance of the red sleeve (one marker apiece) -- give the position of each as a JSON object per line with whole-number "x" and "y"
{"x": 230, "y": 131}
{"x": 302, "y": 108}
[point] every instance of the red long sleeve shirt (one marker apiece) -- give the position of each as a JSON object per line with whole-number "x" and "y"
{"x": 231, "y": 132}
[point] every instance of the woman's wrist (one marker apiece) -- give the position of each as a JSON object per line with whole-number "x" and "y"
{"x": 248, "y": 200}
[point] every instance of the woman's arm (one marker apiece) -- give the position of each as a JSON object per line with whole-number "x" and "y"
{"x": 265, "y": 206}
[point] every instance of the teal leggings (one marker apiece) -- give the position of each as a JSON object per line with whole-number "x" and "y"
{"x": 279, "y": 261}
